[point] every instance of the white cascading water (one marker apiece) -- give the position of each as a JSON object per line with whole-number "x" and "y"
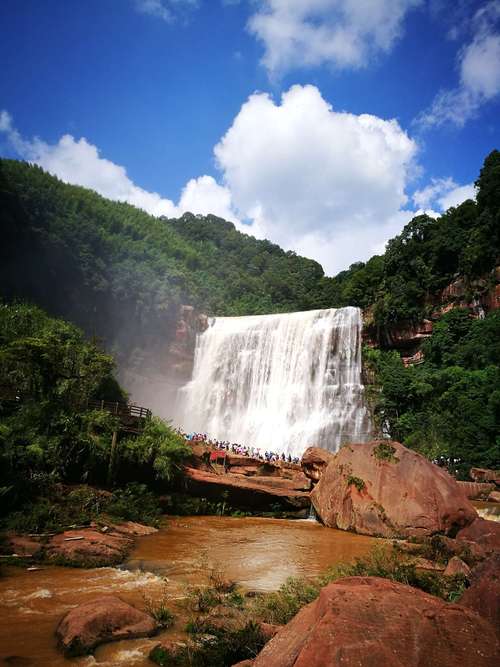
{"x": 279, "y": 382}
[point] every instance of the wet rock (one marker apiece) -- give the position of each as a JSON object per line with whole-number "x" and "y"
{"x": 246, "y": 492}
{"x": 494, "y": 497}
{"x": 457, "y": 566}
{"x": 483, "y": 532}
{"x": 88, "y": 547}
{"x": 134, "y": 529}
{"x": 314, "y": 461}
{"x": 371, "y": 622}
{"x": 22, "y": 545}
{"x": 101, "y": 620}
{"x": 382, "y": 488}
{"x": 483, "y": 595}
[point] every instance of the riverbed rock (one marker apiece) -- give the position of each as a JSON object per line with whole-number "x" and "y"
{"x": 483, "y": 532}
{"x": 314, "y": 461}
{"x": 21, "y": 545}
{"x": 483, "y": 595}
{"x": 382, "y": 488}
{"x": 88, "y": 547}
{"x": 371, "y": 622}
{"x": 104, "y": 619}
{"x": 134, "y": 529}
{"x": 254, "y": 493}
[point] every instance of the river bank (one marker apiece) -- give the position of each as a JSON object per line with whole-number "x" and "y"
{"x": 258, "y": 553}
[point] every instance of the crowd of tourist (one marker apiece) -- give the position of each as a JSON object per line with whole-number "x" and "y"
{"x": 242, "y": 450}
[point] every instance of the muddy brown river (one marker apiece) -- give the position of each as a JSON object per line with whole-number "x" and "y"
{"x": 257, "y": 553}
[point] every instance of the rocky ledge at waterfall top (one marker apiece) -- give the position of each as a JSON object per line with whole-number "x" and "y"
{"x": 382, "y": 488}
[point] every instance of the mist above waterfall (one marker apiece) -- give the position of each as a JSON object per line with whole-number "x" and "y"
{"x": 279, "y": 382}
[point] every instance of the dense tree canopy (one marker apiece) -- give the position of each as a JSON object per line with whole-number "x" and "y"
{"x": 448, "y": 406}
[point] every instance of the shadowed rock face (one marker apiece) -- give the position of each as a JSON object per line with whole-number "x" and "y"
{"x": 101, "y": 620}
{"x": 483, "y": 596}
{"x": 483, "y": 532}
{"x": 372, "y": 622}
{"x": 258, "y": 493}
{"x": 382, "y": 488}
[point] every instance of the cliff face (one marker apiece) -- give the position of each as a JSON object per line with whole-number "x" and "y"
{"x": 479, "y": 297}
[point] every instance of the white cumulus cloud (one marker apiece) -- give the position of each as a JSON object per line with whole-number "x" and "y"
{"x": 80, "y": 163}
{"x": 442, "y": 193}
{"x": 327, "y": 183}
{"x": 340, "y": 33}
{"x": 479, "y": 67}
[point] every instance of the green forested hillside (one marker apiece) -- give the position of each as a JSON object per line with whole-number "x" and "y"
{"x": 104, "y": 264}
{"x": 48, "y": 434}
{"x": 120, "y": 274}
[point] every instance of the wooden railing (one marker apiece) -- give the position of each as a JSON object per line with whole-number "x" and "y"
{"x": 121, "y": 409}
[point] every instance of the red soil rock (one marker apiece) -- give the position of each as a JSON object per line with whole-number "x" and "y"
{"x": 104, "y": 619}
{"x": 372, "y": 622}
{"x": 314, "y": 461}
{"x": 483, "y": 596}
{"x": 382, "y": 488}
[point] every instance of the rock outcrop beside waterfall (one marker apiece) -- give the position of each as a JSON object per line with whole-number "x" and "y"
{"x": 382, "y": 488}
{"x": 247, "y": 483}
{"x": 371, "y": 621}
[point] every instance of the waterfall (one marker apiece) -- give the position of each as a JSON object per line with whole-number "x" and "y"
{"x": 279, "y": 382}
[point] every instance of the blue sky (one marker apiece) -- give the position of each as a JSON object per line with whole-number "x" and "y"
{"x": 323, "y": 125}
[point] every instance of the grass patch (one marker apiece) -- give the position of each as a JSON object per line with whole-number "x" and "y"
{"x": 222, "y": 648}
{"x": 159, "y": 608}
{"x": 383, "y": 561}
{"x": 385, "y": 452}
{"x": 357, "y": 482}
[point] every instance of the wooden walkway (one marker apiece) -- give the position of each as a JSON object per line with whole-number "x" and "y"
{"x": 132, "y": 417}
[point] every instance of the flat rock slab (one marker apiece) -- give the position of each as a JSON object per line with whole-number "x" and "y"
{"x": 104, "y": 619}
{"x": 245, "y": 491}
{"x": 372, "y": 622}
{"x": 95, "y": 548}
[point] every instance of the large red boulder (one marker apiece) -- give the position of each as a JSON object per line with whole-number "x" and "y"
{"x": 104, "y": 619}
{"x": 371, "y": 622}
{"x": 382, "y": 488}
{"x": 483, "y": 596}
{"x": 314, "y": 461}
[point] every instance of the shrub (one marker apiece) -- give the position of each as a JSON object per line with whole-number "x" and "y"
{"x": 135, "y": 503}
{"x": 385, "y": 452}
{"x": 158, "y": 608}
{"x": 357, "y": 482}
